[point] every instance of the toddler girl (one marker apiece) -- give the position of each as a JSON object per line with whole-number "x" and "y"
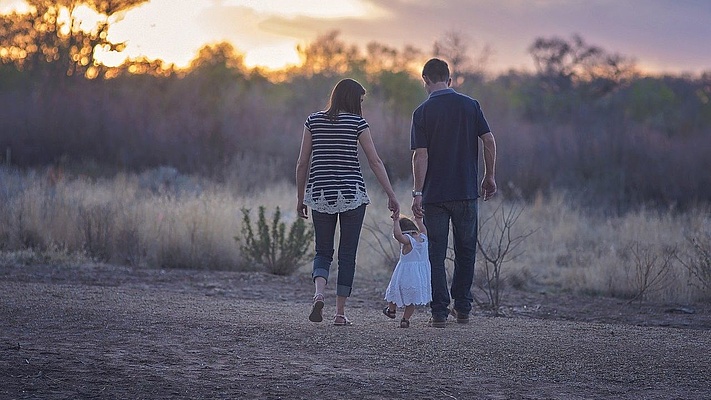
{"x": 410, "y": 283}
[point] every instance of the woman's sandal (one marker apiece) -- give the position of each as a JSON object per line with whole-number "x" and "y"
{"x": 317, "y": 308}
{"x": 341, "y": 320}
{"x": 389, "y": 313}
{"x": 404, "y": 323}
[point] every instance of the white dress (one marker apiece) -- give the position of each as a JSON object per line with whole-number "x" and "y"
{"x": 411, "y": 280}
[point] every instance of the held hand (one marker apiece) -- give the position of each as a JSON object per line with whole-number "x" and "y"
{"x": 417, "y": 209}
{"x": 488, "y": 187}
{"x": 393, "y": 206}
{"x": 302, "y": 211}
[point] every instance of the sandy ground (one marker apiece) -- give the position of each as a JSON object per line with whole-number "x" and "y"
{"x": 108, "y": 332}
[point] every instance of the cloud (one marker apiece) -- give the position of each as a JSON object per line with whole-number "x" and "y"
{"x": 238, "y": 24}
{"x": 660, "y": 34}
{"x": 667, "y": 35}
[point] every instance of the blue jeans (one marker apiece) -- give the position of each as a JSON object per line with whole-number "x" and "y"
{"x": 325, "y": 231}
{"x": 463, "y": 216}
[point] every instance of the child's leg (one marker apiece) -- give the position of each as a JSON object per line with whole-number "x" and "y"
{"x": 409, "y": 310}
{"x": 391, "y": 310}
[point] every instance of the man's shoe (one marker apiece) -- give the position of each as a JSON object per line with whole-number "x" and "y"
{"x": 461, "y": 318}
{"x": 438, "y": 322}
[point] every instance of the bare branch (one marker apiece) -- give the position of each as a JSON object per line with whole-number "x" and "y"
{"x": 496, "y": 245}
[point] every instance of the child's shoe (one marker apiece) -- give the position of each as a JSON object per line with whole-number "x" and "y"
{"x": 389, "y": 313}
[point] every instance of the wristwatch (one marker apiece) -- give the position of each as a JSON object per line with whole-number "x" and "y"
{"x": 415, "y": 193}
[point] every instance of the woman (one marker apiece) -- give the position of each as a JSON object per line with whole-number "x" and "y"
{"x": 335, "y": 189}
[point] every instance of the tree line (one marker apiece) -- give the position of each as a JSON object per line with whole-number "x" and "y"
{"x": 586, "y": 121}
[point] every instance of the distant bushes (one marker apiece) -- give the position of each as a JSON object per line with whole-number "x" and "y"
{"x": 616, "y": 151}
{"x": 586, "y": 121}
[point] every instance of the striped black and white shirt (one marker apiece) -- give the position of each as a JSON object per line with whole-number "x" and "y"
{"x": 335, "y": 181}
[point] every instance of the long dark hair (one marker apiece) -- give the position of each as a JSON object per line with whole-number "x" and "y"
{"x": 345, "y": 97}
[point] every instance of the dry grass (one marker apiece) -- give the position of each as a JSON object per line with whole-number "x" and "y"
{"x": 124, "y": 220}
{"x": 578, "y": 251}
{"x": 161, "y": 219}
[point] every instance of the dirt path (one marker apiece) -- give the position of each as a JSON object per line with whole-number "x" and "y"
{"x": 110, "y": 332}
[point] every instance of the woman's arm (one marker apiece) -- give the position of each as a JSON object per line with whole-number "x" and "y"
{"x": 376, "y": 164}
{"x": 302, "y": 167}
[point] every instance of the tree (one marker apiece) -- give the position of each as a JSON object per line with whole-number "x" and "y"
{"x": 564, "y": 63}
{"x": 328, "y": 55}
{"x": 382, "y": 58}
{"x": 50, "y": 40}
{"x": 142, "y": 66}
{"x": 453, "y": 47}
{"x": 221, "y": 55}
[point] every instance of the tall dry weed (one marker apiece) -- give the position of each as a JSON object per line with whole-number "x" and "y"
{"x": 582, "y": 251}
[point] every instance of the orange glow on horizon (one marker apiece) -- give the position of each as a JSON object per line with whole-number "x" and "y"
{"x": 267, "y": 32}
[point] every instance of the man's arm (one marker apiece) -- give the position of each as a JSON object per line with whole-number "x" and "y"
{"x": 488, "y": 184}
{"x": 419, "y": 170}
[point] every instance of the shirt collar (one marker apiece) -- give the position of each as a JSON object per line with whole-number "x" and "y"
{"x": 441, "y": 92}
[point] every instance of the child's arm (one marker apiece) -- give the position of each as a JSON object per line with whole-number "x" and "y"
{"x": 421, "y": 225}
{"x": 397, "y": 233}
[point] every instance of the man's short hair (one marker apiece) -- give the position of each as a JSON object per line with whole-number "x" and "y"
{"x": 436, "y": 70}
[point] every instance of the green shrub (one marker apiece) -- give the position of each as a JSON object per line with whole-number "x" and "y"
{"x": 270, "y": 247}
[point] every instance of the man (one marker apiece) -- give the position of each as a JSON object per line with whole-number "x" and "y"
{"x": 445, "y": 135}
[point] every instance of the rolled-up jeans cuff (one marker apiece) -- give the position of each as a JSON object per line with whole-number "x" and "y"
{"x": 323, "y": 273}
{"x": 344, "y": 291}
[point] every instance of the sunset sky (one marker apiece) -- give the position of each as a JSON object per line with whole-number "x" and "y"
{"x": 661, "y": 35}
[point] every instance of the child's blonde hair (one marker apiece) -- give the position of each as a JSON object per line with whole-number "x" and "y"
{"x": 406, "y": 224}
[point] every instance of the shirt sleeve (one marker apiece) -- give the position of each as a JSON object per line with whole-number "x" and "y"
{"x": 482, "y": 124}
{"x": 362, "y": 125}
{"x": 418, "y": 138}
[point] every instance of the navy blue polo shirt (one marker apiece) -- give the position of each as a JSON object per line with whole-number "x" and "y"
{"x": 448, "y": 124}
